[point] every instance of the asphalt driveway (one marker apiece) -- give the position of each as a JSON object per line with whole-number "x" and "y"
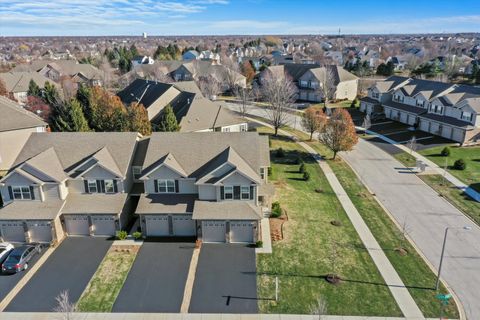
{"x": 157, "y": 279}
{"x": 225, "y": 281}
{"x": 9, "y": 281}
{"x": 70, "y": 267}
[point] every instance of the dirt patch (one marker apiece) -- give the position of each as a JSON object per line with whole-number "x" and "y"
{"x": 333, "y": 279}
{"x": 276, "y": 227}
{"x": 401, "y": 251}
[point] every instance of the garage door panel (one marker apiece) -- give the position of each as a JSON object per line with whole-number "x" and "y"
{"x": 77, "y": 225}
{"x": 40, "y": 231}
{"x": 13, "y": 231}
{"x": 458, "y": 135}
{"x": 183, "y": 225}
{"x": 213, "y": 231}
{"x": 403, "y": 117}
{"x": 424, "y": 125}
{"x": 157, "y": 226}
{"x": 103, "y": 225}
{"x": 242, "y": 231}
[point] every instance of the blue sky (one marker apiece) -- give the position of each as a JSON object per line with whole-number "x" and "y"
{"x": 218, "y": 17}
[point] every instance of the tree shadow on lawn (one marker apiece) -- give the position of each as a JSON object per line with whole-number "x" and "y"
{"x": 324, "y": 276}
{"x": 291, "y": 157}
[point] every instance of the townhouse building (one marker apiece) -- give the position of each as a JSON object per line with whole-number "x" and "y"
{"x": 447, "y": 110}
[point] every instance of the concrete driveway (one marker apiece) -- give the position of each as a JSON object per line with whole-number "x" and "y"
{"x": 225, "y": 281}
{"x": 426, "y": 215}
{"x": 157, "y": 279}
{"x": 70, "y": 267}
{"x": 9, "y": 281}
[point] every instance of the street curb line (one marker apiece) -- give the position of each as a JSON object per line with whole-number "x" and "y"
{"x": 192, "y": 270}
{"x": 30, "y": 273}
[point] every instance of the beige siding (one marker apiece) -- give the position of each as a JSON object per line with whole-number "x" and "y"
{"x": 207, "y": 192}
{"x": 50, "y": 191}
{"x": 237, "y": 179}
{"x": 76, "y": 186}
{"x": 63, "y": 191}
{"x": 187, "y": 186}
{"x": 59, "y": 233}
{"x": 98, "y": 173}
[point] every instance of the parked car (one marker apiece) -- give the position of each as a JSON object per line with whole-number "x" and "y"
{"x": 19, "y": 257}
{"x": 5, "y": 249}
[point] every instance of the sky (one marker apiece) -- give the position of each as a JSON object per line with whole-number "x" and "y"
{"x": 232, "y": 17}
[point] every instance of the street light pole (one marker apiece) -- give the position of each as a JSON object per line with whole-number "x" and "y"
{"x": 437, "y": 283}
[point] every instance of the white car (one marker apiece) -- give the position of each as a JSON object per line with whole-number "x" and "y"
{"x": 5, "y": 249}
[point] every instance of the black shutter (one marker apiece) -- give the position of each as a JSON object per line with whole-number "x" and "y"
{"x": 155, "y": 185}
{"x": 236, "y": 192}
{"x": 176, "y": 187}
{"x": 115, "y": 187}
{"x": 32, "y": 193}
{"x": 251, "y": 192}
{"x": 102, "y": 184}
{"x": 85, "y": 183}
{"x": 99, "y": 186}
{"x": 10, "y": 192}
{"x": 222, "y": 192}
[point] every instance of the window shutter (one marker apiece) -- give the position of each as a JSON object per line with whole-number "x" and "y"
{"x": 222, "y": 192}
{"x": 155, "y": 184}
{"x": 102, "y": 184}
{"x": 236, "y": 192}
{"x": 99, "y": 186}
{"x": 176, "y": 186}
{"x": 32, "y": 193}
{"x": 85, "y": 183}
{"x": 115, "y": 187}
{"x": 10, "y": 192}
{"x": 251, "y": 192}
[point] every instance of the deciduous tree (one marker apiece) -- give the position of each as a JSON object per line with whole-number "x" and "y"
{"x": 245, "y": 96}
{"x": 313, "y": 120}
{"x": 339, "y": 132}
{"x": 3, "y": 89}
{"x": 138, "y": 119}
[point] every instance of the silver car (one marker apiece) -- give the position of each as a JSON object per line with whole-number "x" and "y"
{"x": 19, "y": 257}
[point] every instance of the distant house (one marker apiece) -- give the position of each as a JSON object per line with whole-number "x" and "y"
{"x": 448, "y": 110}
{"x": 190, "y": 55}
{"x": 193, "y": 111}
{"x": 398, "y": 62}
{"x": 16, "y": 126}
{"x": 142, "y": 60}
{"x": 17, "y": 83}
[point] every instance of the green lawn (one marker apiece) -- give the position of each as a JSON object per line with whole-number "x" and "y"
{"x": 306, "y": 255}
{"x": 471, "y": 155}
{"x": 108, "y": 280}
{"x": 413, "y": 270}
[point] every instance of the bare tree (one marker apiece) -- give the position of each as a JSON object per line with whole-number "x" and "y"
{"x": 367, "y": 123}
{"x": 231, "y": 73}
{"x": 320, "y": 307}
{"x": 327, "y": 84}
{"x": 64, "y": 306}
{"x": 245, "y": 96}
{"x": 209, "y": 87}
{"x": 279, "y": 93}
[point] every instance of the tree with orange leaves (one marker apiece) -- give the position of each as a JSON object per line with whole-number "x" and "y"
{"x": 313, "y": 120}
{"x": 339, "y": 133}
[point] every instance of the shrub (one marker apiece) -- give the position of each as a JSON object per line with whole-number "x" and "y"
{"x": 137, "y": 235}
{"x": 445, "y": 152}
{"x": 122, "y": 235}
{"x": 302, "y": 169}
{"x": 306, "y": 176}
{"x": 460, "y": 164}
{"x": 270, "y": 171}
{"x": 259, "y": 244}
{"x": 280, "y": 153}
{"x": 298, "y": 160}
{"x": 276, "y": 209}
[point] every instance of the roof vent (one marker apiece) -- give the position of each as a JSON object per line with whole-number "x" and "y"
{"x": 197, "y": 119}
{"x": 188, "y": 100}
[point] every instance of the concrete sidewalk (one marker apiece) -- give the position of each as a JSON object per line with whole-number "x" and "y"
{"x": 266, "y": 238}
{"x": 392, "y": 279}
{"x": 455, "y": 181}
{"x": 190, "y": 316}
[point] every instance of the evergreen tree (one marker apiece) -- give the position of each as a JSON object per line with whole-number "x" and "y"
{"x": 68, "y": 117}
{"x": 168, "y": 120}
{"x": 83, "y": 96}
{"x": 33, "y": 89}
{"x": 50, "y": 94}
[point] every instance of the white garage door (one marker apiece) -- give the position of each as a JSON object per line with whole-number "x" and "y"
{"x": 447, "y": 132}
{"x": 13, "y": 231}
{"x": 40, "y": 231}
{"x": 157, "y": 225}
{"x": 458, "y": 135}
{"x": 434, "y": 126}
{"x": 424, "y": 125}
{"x": 213, "y": 231}
{"x": 411, "y": 119}
{"x": 241, "y": 231}
{"x": 103, "y": 225}
{"x": 183, "y": 225}
{"x": 403, "y": 117}
{"x": 388, "y": 113}
{"x": 77, "y": 225}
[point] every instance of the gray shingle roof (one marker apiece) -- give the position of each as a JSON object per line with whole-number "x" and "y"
{"x": 19, "y": 210}
{"x": 226, "y": 210}
{"x": 166, "y": 203}
{"x": 19, "y": 81}
{"x": 14, "y": 117}
{"x": 95, "y": 203}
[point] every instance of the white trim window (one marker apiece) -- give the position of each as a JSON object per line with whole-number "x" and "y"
{"x": 92, "y": 186}
{"x": 262, "y": 173}
{"x": 243, "y": 127}
{"x": 166, "y": 186}
{"x": 21, "y": 193}
{"x": 109, "y": 188}
{"x": 137, "y": 172}
{"x": 228, "y": 192}
{"x": 467, "y": 116}
{"x": 245, "y": 192}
